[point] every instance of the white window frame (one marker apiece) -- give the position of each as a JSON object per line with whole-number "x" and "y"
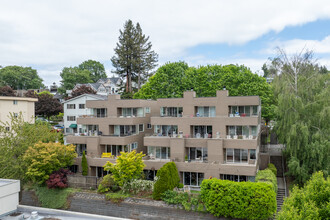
{"x": 15, "y": 102}
{"x": 69, "y": 106}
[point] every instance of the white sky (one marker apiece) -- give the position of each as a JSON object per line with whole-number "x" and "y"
{"x": 49, "y": 35}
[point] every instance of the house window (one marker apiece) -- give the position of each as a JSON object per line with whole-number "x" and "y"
{"x": 205, "y": 111}
{"x": 147, "y": 109}
{"x": 71, "y": 106}
{"x": 171, "y": 111}
{"x": 15, "y": 115}
{"x": 236, "y": 178}
{"x": 134, "y": 146}
{"x": 253, "y": 154}
{"x": 197, "y": 154}
{"x": 236, "y": 155}
{"x": 149, "y": 126}
{"x": 159, "y": 152}
{"x": 80, "y": 148}
{"x": 141, "y": 127}
{"x": 202, "y": 131}
{"x": 192, "y": 178}
{"x": 166, "y": 130}
{"x": 100, "y": 112}
{"x": 71, "y": 118}
{"x": 81, "y": 106}
{"x": 116, "y": 149}
{"x": 7, "y": 128}
{"x": 125, "y": 130}
{"x": 15, "y": 102}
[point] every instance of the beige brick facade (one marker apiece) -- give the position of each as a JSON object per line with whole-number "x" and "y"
{"x": 196, "y": 133}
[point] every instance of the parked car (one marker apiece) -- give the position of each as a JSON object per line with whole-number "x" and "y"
{"x": 58, "y": 127}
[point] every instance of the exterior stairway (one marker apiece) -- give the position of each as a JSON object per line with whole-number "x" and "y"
{"x": 277, "y": 161}
{"x": 279, "y": 198}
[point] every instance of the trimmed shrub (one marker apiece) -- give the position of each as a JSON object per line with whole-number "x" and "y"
{"x": 246, "y": 200}
{"x": 267, "y": 176}
{"x": 84, "y": 164}
{"x": 272, "y": 168}
{"x": 58, "y": 179}
{"x": 107, "y": 184}
{"x": 167, "y": 179}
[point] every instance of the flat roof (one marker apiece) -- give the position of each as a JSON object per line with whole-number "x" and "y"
{"x": 25, "y": 212}
{"x": 7, "y": 181}
{"x": 18, "y": 98}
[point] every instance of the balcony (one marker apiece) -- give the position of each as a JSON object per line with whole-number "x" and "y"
{"x": 112, "y": 120}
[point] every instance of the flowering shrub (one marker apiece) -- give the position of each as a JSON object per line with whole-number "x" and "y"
{"x": 137, "y": 186}
{"x": 58, "y": 179}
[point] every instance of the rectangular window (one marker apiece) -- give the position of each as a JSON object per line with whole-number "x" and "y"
{"x": 254, "y": 131}
{"x": 197, "y": 154}
{"x": 7, "y": 128}
{"x": 255, "y": 110}
{"x": 149, "y": 126}
{"x": 230, "y": 155}
{"x": 192, "y": 178}
{"x": 15, "y": 115}
{"x": 71, "y": 118}
{"x": 101, "y": 112}
{"x": 134, "y": 146}
{"x": 71, "y": 106}
{"x": 166, "y": 130}
{"x": 141, "y": 127}
{"x": 236, "y": 155}
{"x": 147, "y": 109}
{"x": 81, "y": 106}
{"x": 236, "y": 178}
{"x": 159, "y": 152}
{"x": 15, "y": 102}
{"x": 202, "y": 131}
{"x": 132, "y": 112}
{"x": 252, "y": 154}
{"x": 205, "y": 111}
{"x": 171, "y": 111}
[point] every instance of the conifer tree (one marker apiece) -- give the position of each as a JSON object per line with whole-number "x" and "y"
{"x": 84, "y": 164}
{"x": 133, "y": 59}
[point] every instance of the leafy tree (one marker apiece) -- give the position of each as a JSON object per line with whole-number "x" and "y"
{"x": 7, "y": 91}
{"x": 72, "y": 76}
{"x": 47, "y": 105}
{"x": 84, "y": 164}
{"x": 95, "y": 68}
{"x": 167, "y": 179}
{"x": 172, "y": 79}
{"x": 302, "y": 115}
{"x": 133, "y": 59}
{"x": 44, "y": 158}
{"x": 128, "y": 166}
{"x": 15, "y": 142}
{"x": 310, "y": 202}
{"x": 83, "y": 89}
{"x": 18, "y": 77}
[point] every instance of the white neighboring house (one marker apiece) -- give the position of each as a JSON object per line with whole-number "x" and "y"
{"x": 103, "y": 86}
{"x": 76, "y": 107}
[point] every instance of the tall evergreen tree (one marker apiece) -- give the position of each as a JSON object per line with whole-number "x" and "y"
{"x": 133, "y": 59}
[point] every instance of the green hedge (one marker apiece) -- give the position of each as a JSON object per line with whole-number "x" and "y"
{"x": 267, "y": 176}
{"x": 246, "y": 200}
{"x": 272, "y": 168}
{"x": 167, "y": 179}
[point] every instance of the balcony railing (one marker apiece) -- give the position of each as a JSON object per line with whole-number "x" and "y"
{"x": 244, "y": 137}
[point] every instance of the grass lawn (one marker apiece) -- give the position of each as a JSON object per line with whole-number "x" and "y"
{"x": 53, "y": 198}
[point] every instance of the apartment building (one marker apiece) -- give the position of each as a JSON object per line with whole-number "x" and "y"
{"x": 76, "y": 107}
{"x": 205, "y": 136}
{"x": 15, "y": 106}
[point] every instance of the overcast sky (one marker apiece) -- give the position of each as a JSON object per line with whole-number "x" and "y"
{"x": 49, "y": 35}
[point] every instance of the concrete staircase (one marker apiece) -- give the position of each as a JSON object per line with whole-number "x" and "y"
{"x": 277, "y": 161}
{"x": 280, "y": 198}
